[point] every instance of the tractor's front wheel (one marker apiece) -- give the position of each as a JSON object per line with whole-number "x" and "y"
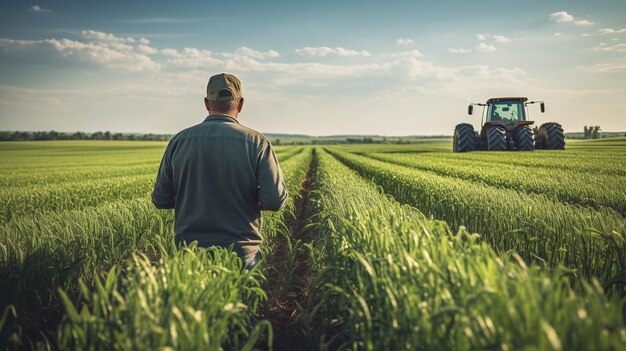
{"x": 464, "y": 138}
{"x": 551, "y": 137}
{"x": 524, "y": 138}
{"x": 496, "y": 139}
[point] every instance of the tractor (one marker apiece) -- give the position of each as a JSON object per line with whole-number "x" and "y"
{"x": 505, "y": 127}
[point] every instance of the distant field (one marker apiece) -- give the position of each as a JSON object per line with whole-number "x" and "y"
{"x": 384, "y": 246}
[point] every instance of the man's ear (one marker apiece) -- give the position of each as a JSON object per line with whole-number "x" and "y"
{"x": 240, "y": 105}
{"x": 206, "y": 104}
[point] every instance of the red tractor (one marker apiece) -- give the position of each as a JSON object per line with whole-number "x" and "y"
{"x": 505, "y": 126}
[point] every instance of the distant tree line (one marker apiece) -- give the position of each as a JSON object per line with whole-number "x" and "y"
{"x": 592, "y": 132}
{"x": 308, "y": 140}
{"x": 54, "y": 135}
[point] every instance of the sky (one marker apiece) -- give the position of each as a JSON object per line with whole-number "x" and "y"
{"x": 309, "y": 67}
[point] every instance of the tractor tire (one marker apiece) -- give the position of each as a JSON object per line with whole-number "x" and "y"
{"x": 496, "y": 139}
{"x": 551, "y": 137}
{"x": 524, "y": 138}
{"x": 464, "y": 138}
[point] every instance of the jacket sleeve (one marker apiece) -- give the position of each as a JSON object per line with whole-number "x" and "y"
{"x": 272, "y": 193}
{"x": 164, "y": 194}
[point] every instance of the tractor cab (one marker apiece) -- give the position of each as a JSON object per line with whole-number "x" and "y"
{"x": 505, "y": 110}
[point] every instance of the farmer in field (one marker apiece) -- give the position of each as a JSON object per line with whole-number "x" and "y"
{"x": 219, "y": 175}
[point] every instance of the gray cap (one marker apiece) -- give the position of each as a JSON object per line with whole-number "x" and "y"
{"x": 220, "y": 85}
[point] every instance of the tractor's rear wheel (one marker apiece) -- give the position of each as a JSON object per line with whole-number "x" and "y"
{"x": 496, "y": 139}
{"x": 524, "y": 138}
{"x": 464, "y": 138}
{"x": 551, "y": 136}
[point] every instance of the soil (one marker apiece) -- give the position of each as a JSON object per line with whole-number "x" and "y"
{"x": 283, "y": 299}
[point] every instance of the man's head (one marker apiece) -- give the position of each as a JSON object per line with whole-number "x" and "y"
{"x": 224, "y": 95}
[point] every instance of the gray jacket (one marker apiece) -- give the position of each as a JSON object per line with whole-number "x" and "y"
{"x": 218, "y": 176}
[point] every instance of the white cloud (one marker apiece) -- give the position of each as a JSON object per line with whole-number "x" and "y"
{"x": 584, "y": 23}
{"x": 621, "y": 47}
{"x": 314, "y": 70}
{"x": 169, "y": 52}
{"x": 37, "y": 8}
{"x": 106, "y": 37}
{"x": 404, "y": 41}
{"x": 497, "y": 37}
{"x": 119, "y": 57}
{"x": 410, "y": 53}
{"x": 327, "y": 51}
{"x": 609, "y": 68}
{"x": 482, "y": 47}
{"x": 402, "y": 76}
{"x": 557, "y": 34}
{"x": 245, "y": 51}
{"x": 501, "y": 38}
{"x": 7, "y": 44}
{"x": 103, "y": 49}
{"x": 161, "y": 20}
{"x": 561, "y": 16}
{"x": 611, "y": 31}
{"x": 145, "y": 49}
{"x": 485, "y": 72}
{"x": 182, "y": 65}
{"x": 417, "y": 69}
{"x": 190, "y": 58}
{"x": 459, "y": 51}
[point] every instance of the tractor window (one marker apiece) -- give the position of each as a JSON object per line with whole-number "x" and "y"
{"x": 506, "y": 111}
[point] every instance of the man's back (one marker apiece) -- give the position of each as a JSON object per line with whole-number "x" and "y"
{"x": 218, "y": 175}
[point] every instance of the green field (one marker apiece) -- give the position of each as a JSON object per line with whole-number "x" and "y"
{"x": 381, "y": 247}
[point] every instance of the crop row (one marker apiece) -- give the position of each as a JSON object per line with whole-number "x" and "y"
{"x": 541, "y": 230}
{"x": 84, "y": 191}
{"x": 576, "y": 161}
{"x": 189, "y": 300}
{"x": 590, "y": 190}
{"x": 389, "y": 279}
{"x": 70, "y": 196}
{"x": 589, "y": 162}
{"x": 43, "y": 252}
{"x": 44, "y": 177}
{"x": 598, "y": 160}
{"x": 20, "y": 171}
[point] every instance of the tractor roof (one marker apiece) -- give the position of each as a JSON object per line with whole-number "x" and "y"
{"x": 492, "y": 100}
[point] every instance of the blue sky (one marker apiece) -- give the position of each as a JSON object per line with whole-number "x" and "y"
{"x": 313, "y": 67}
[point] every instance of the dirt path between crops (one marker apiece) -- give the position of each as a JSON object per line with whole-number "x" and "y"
{"x": 289, "y": 276}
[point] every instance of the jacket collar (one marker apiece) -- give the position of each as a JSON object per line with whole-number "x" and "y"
{"x": 221, "y": 118}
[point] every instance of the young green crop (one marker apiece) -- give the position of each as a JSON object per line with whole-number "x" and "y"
{"x": 388, "y": 279}
{"x": 181, "y": 302}
{"x": 603, "y": 158}
{"x": 41, "y": 253}
{"x": 69, "y": 196}
{"x": 585, "y": 189}
{"x": 191, "y": 299}
{"x": 71, "y": 233}
{"x": 541, "y": 230}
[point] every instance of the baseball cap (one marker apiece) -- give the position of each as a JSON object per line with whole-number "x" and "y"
{"x": 223, "y": 87}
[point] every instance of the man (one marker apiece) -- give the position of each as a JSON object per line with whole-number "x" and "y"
{"x": 495, "y": 116}
{"x": 219, "y": 175}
